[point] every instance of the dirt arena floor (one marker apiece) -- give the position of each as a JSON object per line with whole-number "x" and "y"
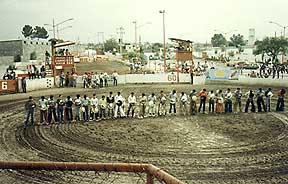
{"x": 107, "y": 66}
{"x": 231, "y": 148}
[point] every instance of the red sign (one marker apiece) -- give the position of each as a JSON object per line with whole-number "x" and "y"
{"x": 8, "y": 85}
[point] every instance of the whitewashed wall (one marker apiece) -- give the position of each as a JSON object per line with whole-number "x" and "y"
{"x": 153, "y": 78}
{"x": 36, "y": 84}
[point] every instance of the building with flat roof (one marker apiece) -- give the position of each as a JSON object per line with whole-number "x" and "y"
{"x": 21, "y": 51}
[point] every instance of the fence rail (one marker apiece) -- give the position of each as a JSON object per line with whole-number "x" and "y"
{"x": 152, "y": 172}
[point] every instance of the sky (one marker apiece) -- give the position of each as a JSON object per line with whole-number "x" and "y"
{"x": 195, "y": 20}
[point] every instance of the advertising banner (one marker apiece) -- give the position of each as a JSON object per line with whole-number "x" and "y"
{"x": 222, "y": 74}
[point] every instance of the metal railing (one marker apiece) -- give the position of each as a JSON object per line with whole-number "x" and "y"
{"x": 151, "y": 171}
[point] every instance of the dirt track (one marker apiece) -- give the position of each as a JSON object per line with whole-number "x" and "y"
{"x": 235, "y": 148}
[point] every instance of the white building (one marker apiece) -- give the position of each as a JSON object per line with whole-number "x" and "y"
{"x": 251, "y": 39}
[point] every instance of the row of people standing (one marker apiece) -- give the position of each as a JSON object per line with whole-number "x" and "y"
{"x": 223, "y": 102}
{"x": 111, "y": 106}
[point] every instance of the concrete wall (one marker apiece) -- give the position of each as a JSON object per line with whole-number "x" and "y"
{"x": 39, "y": 47}
{"x": 11, "y": 48}
{"x": 37, "y": 84}
{"x": 47, "y": 83}
{"x": 5, "y": 61}
{"x": 151, "y": 78}
{"x": 24, "y": 48}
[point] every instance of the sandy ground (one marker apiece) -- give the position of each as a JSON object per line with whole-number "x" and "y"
{"x": 230, "y": 148}
{"x": 105, "y": 66}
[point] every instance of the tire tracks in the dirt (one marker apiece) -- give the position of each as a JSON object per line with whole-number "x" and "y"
{"x": 243, "y": 162}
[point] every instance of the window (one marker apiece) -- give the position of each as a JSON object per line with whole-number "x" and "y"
{"x": 31, "y": 42}
{"x": 37, "y": 43}
{"x": 24, "y": 42}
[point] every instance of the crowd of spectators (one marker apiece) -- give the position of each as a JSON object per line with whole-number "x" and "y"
{"x": 36, "y": 73}
{"x": 90, "y": 79}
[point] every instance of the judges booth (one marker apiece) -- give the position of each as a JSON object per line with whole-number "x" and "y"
{"x": 63, "y": 62}
{"x": 184, "y": 53}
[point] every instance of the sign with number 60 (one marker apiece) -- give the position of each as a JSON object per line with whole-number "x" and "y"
{"x": 172, "y": 77}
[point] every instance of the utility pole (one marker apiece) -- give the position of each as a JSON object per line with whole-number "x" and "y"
{"x": 135, "y": 22}
{"x": 53, "y": 25}
{"x": 121, "y": 32}
{"x": 164, "y": 43}
{"x": 99, "y": 42}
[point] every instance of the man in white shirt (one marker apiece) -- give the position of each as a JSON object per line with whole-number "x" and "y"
{"x": 228, "y": 101}
{"x": 43, "y": 104}
{"x": 193, "y": 102}
{"x": 115, "y": 78}
{"x": 142, "y": 106}
{"x": 183, "y": 103}
{"x": 131, "y": 104}
{"x": 94, "y": 110}
{"x": 152, "y": 105}
{"x": 95, "y": 80}
{"x": 260, "y": 100}
{"x": 119, "y": 100}
{"x": 162, "y": 104}
{"x": 268, "y": 95}
{"x": 173, "y": 98}
{"x": 101, "y": 77}
{"x": 211, "y": 97}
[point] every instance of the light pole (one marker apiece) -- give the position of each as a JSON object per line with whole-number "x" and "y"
{"x": 164, "y": 43}
{"x": 284, "y": 27}
{"x": 121, "y": 32}
{"x": 56, "y": 25}
{"x": 135, "y": 27}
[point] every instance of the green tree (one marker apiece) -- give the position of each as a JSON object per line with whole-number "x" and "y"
{"x": 40, "y": 33}
{"x": 27, "y": 31}
{"x": 231, "y": 54}
{"x": 218, "y": 40}
{"x": 237, "y": 41}
{"x": 271, "y": 46}
{"x": 156, "y": 47}
{"x": 110, "y": 45}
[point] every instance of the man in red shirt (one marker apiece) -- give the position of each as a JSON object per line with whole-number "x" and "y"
{"x": 203, "y": 97}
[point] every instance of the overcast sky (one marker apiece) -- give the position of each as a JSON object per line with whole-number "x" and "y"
{"x": 188, "y": 19}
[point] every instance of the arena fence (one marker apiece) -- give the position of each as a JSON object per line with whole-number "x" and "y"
{"x": 91, "y": 172}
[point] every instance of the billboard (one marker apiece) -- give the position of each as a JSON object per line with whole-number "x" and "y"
{"x": 222, "y": 74}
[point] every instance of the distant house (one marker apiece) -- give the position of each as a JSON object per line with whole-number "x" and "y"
{"x": 22, "y": 50}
